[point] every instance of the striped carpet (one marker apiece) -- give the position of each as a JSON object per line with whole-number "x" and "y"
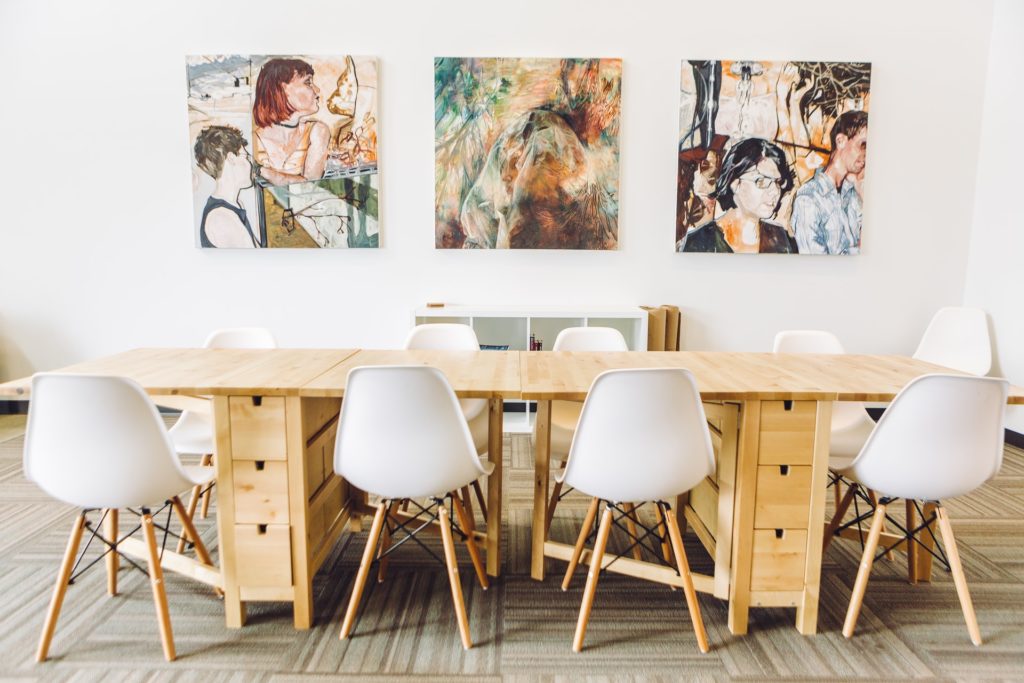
{"x": 522, "y": 630}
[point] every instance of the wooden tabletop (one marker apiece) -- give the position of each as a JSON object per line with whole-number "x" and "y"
{"x": 736, "y": 376}
{"x": 247, "y": 372}
{"x": 472, "y": 374}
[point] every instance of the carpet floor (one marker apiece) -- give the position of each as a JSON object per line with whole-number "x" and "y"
{"x": 522, "y": 630}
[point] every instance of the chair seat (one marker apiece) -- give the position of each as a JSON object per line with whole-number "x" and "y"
{"x": 565, "y": 415}
{"x": 200, "y": 474}
{"x": 192, "y": 433}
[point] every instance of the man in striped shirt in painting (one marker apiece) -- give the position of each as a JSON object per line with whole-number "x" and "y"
{"x": 827, "y": 210}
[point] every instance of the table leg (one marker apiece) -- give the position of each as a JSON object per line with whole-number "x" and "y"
{"x": 234, "y": 608}
{"x": 743, "y": 516}
{"x": 110, "y": 532}
{"x": 807, "y": 610}
{"x": 495, "y": 437}
{"x": 298, "y": 498}
{"x": 541, "y": 465}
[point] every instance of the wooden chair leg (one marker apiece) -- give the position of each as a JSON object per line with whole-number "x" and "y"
{"x": 666, "y": 541}
{"x": 588, "y": 524}
{"x": 186, "y": 522}
{"x": 874, "y": 501}
{"x": 467, "y": 502}
{"x": 480, "y": 498}
{"x": 837, "y": 518}
{"x": 870, "y": 546}
{"x": 193, "y": 501}
{"x": 467, "y": 528}
{"x": 453, "y": 577}
{"x": 837, "y": 491}
{"x": 111, "y": 529}
{"x": 595, "y": 571}
{"x": 385, "y": 543}
{"x": 688, "y": 590}
{"x": 631, "y": 528}
{"x": 927, "y": 538}
{"x": 953, "y": 555}
{"x": 156, "y": 580}
{"x": 205, "y": 508}
{"x": 60, "y": 587}
{"x": 556, "y": 491}
{"x": 911, "y": 544}
{"x": 364, "y": 569}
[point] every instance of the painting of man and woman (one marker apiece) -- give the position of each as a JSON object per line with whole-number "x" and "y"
{"x": 772, "y": 157}
{"x": 526, "y": 153}
{"x": 276, "y": 161}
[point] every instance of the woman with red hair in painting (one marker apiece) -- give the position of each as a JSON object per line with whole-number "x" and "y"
{"x": 288, "y": 145}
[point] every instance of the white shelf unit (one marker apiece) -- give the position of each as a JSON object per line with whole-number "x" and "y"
{"x": 513, "y": 325}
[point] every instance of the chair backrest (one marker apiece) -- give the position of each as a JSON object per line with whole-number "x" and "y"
{"x": 442, "y": 337}
{"x": 807, "y": 341}
{"x": 590, "y": 339}
{"x": 98, "y": 442}
{"x": 845, "y": 414}
{"x": 402, "y": 435}
{"x": 642, "y": 436}
{"x": 241, "y": 338}
{"x": 957, "y": 338}
{"x": 942, "y": 436}
{"x": 448, "y": 337}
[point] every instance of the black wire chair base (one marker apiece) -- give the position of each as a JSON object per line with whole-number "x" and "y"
{"x": 430, "y": 512}
{"x": 95, "y": 531}
{"x": 640, "y": 540}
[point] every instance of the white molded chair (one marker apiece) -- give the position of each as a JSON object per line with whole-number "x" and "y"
{"x": 957, "y": 337}
{"x": 642, "y": 437}
{"x": 192, "y": 434}
{"x": 431, "y": 456}
{"x": 458, "y": 337}
{"x": 565, "y": 415}
{"x": 941, "y": 437}
{"x": 98, "y": 443}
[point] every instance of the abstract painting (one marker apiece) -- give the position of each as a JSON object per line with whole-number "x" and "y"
{"x": 526, "y": 153}
{"x": 772, "y": 157}
{"x": 284, "y": 150}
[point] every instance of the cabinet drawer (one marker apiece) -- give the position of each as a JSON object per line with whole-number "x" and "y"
{"x": 779, "y": 560}
{"x": 257, "y": 428}
{"x": 264, "y": 554}
{"x": 787, "y": 432}
{"x": 261, "y": 491}
{"x": 783, "y": 497}
{"x": 704, "y": 501}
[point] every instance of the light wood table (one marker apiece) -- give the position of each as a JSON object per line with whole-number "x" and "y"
{"x": 280, "y": 509}
{"x": 491, "y": 375}
{"x": 761, "y": 514}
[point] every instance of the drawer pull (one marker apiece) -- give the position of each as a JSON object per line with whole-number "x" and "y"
{"x": 261, "y": 529}
{"x": 780, "y": 533}
{"x": 783, "y": 470}
{"x": 260, "y": 464}
{"x": 258, "y": 401}
{"x": 787, "y": 405}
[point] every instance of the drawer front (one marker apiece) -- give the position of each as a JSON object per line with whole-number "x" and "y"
{"x": 261, "y": 491}
{"x": 783, "y": 497}
{"x": 264, "y": 554}
{"x": 257, "y": 428}
{"x": 704, "y": 501}
{"x": 779, "y": 560}
{"x": 787, "y": 432}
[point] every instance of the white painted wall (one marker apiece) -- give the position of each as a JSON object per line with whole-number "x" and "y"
{"x": 995, "y": 276}
{"x": 97, "y": 246}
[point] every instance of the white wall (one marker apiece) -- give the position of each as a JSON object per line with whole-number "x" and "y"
{"x": 995, "y": 276}
{"x": 97, "y": 247}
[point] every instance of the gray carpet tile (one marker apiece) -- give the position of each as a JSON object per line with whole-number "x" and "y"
{"x": 522, "y": 630}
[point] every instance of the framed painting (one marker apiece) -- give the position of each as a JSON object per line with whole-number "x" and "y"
{"x": 772, "y": 157}
{"x": 284, "y": 151}
{"x": 526, "y": 153}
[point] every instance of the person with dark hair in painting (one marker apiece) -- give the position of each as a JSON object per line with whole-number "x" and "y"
{"x": 751, "y": 184}
{"x": 827, "y": 210}
{"x": 288, "y": 146}
{"x": 220, "y": 152}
